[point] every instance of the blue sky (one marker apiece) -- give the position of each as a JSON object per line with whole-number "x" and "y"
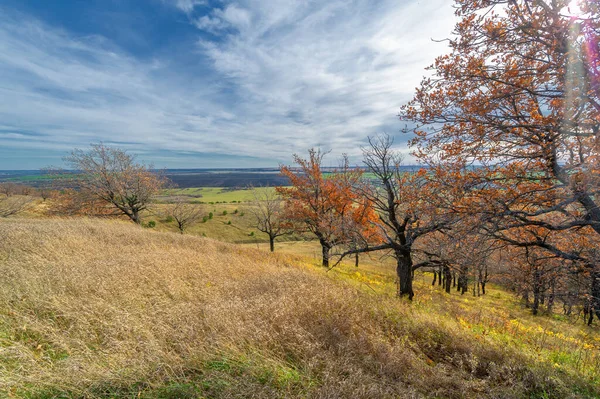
{"x": 209, "y": 83}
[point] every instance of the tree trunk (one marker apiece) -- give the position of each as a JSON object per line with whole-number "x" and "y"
{"x": 536, "y": 292}
{"x": 447, "y": 278}
{"x": 325, "y": 248}
{"x": 405, "y": 273}
{"x": 272, "y": 243}
{"x": 463, "y": 280}
{"x": 434, "y": 277}
{"x": 526, "y": 298}
{"x": 463, "y": 284}
{"x": 551, "y": 297}
{"x": 356, "y": 259}
{"x": 135, "y": 216}
{"x": 484, "y": 280}
{"x": 595, "y": 296}
{"x": 453, "y": 279}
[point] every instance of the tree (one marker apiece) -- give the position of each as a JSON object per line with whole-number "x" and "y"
{"x": 112, "y": 176}
{"x": 518, "y": 97}
{"x": 8, "y": 188}
{"x": 184, "y": 213}
{"x": 45, "y": 193}
{"x": 323, "y": 204}
{"x": 267, "y": 209}
{"x": 14, "y": 205}
{"x": 407, "y": 206}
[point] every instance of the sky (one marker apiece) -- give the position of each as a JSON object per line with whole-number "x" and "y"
{"x": 210, "y": 83}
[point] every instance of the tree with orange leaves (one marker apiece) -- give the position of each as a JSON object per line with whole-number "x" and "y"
{"x": 518, "y": 98}
{"x": 325, "y": 204}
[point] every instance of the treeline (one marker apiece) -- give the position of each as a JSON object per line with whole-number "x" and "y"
{"x": 518, "y": 96}
{"x": 9, "y": 189}
{"x": 431, "y": 220}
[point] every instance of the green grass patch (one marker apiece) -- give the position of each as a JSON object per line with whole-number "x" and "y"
{"x": 208, "y": 195}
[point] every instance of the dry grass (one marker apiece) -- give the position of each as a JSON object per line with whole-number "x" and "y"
{"x": 101, "y": 309}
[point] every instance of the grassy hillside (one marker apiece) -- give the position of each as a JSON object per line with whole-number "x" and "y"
{"x": 232, "y": 223}
{"x": 229, "y": 223}
{"x": 105, "y": 309}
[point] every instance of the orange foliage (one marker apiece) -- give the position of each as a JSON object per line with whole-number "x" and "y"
{"x": 325, "y": 202}
{"x": 515, "y": 107}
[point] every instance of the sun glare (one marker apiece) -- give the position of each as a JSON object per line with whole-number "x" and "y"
{"x": 573, "y": 9}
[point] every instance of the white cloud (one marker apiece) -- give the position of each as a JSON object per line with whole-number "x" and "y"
{"x": 186, "y": 6}
{"x": 210, "y": 24}
{"x": 231, "y": 16}
{"x": 282, "y": 76}
{"x": 330, "y": 73}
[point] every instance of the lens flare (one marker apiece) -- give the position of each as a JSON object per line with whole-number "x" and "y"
{"x": 573, "y": 10}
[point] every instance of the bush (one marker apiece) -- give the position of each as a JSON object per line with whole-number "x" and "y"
{"x": 204, "y": 219}
{"x": 229, "y": 222}
{"x": 151, "y": 224}
{"x": 241, "y": 214}
{"x": 169, "y": 219}
{"x": 235, "y": 212}
{"x": 224, "y": 213}
{"x": 251, "y": 234}
{"x": 210, "y": 215}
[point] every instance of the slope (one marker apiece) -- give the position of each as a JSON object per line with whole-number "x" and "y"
{"x": 105, "y": 309}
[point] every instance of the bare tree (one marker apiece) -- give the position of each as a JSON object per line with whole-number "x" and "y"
{"x": 8, "y": 188}
{"x": 407, "y": 207}
{"x": 45, "y": 193}
{"x": 26, "y": 190}
{"x": 267, "y": 209}
{"x": 112, "y": 176}
{"x": 184, "y": 213}
{"x": 13, "y": 205}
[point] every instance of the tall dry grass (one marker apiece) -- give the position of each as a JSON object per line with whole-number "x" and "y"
{"x": 99, "y": 309}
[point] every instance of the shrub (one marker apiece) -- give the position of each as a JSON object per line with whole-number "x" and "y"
{"x": 151, "y": 224}
{"x": 251, "y": 234}
{"x": 229, "y": 222}
{"x": 169, "y": 219}
{"x": 210, "y": 215}
{"x": 204, "y": 219}
{"x": 235, "y": 212}
{"x": 224, "y": 213}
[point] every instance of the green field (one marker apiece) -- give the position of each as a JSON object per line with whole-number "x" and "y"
{"x": 207, "y": 195}
{"x": 230, "y": 222}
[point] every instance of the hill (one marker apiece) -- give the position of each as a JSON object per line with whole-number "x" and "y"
{"x": 105, "y": 309}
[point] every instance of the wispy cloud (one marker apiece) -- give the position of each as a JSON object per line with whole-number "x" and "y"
{"x": 273, "y": 77}
{"x": 186, "y": 6}
{"x": 326, "y": 73}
